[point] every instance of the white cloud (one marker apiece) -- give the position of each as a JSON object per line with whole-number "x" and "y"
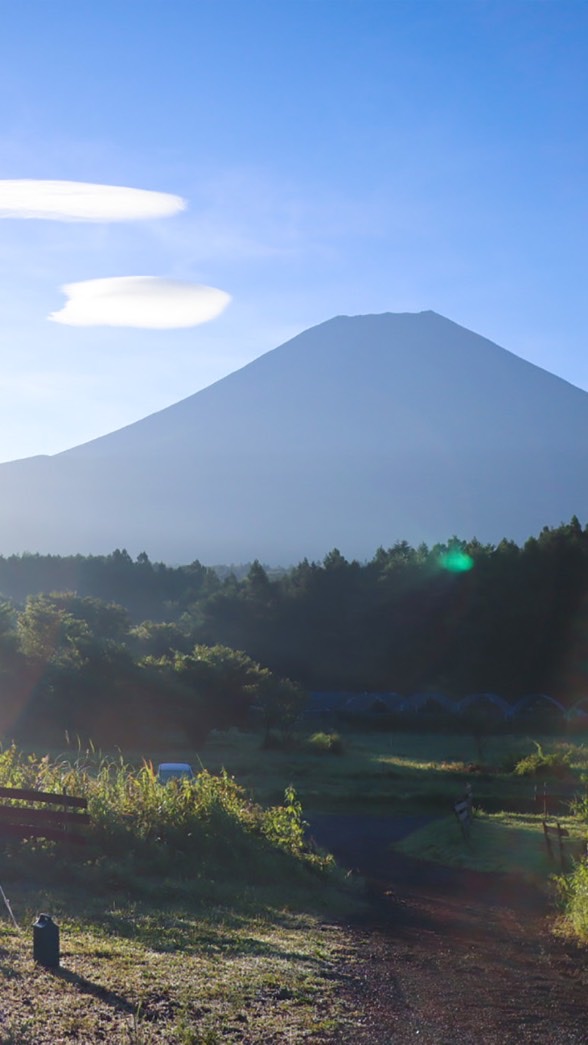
{"x": 139, "y": 301}
{"x": 83, "y": 201}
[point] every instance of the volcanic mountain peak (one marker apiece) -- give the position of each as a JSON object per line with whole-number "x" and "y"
{"x": 358, "y": 432}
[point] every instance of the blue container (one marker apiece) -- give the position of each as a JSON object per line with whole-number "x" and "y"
{"x": 46, "y": 942}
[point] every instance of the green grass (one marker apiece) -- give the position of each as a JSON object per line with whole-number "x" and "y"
{"x": 503, "y": 842}
{"x": 389, "y": 769}
{"x": 383, "y": 772}
{"x": 132, "y": 972}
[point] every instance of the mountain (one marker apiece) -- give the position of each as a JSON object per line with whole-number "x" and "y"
{"x": 358, "y": 432}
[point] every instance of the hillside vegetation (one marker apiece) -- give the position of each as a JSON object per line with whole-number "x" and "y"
{"x": 83, "y": 638}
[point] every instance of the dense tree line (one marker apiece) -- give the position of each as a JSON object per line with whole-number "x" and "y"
{"x": 147, "y": 590}
{"x": 111, "y": 646}
{"x": 75, "y": 665}
{"x": 460, "y": 618}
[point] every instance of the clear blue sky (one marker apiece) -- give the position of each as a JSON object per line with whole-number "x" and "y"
{"x": 336, "y": 156}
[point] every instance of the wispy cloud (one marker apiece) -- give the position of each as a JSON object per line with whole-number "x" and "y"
{"x": 83, "y": 201}
{"x": 139, "y": 301}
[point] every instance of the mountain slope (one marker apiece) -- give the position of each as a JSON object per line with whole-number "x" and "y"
{"x": 358, "y": 432}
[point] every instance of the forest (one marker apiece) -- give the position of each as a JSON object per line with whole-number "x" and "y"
{"x": 120, "y": 649}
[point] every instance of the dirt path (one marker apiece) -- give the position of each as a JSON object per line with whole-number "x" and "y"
{"x": 451, "y": 957}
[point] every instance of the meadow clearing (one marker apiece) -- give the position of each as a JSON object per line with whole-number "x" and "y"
{"x": 196, "y": 913}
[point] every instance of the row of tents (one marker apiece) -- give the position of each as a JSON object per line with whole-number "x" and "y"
{"x": 349, "y": 705}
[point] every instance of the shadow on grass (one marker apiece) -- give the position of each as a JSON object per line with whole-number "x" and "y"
{"x": 116, "y": 1001}
{"x": 185, "y": 933}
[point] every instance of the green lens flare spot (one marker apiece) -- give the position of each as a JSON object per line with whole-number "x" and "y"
{"x": 456, "y": 561}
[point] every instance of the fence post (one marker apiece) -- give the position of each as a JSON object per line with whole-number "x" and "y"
{"x": 547, "y": 840}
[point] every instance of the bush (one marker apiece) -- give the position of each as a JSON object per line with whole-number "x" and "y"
{"x": 325, "y": 744}
{"x": 557, "y": 764}
{"x": 208, "y": 822}
{"x": 283, "y": 825}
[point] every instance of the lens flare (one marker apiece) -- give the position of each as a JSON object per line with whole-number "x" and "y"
{"x": 456, "y": 561}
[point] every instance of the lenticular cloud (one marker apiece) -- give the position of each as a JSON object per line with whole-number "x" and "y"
{"x": 83, "y": 201}
{"x": 139, "y": 301}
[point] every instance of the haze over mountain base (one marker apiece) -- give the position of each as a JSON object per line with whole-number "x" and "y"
{"x": 357, "y": 433}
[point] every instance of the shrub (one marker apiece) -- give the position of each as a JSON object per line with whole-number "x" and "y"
{"x": 538, "y": 763}
{"x": 325, "y": 744}
{"x": 283, "y": 825}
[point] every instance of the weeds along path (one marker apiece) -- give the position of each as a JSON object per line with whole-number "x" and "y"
{"x": 451, "y": 957}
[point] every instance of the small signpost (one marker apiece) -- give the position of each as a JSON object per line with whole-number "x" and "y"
{"x": 463, "y": 810}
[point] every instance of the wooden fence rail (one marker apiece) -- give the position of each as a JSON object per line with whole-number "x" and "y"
{"x": 61, "y": 823}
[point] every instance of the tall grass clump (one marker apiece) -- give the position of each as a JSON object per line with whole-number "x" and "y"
{"x": 206, "y": 826}
{"x": 574, "y": 887}
{"x": 574, "y": 892}
{"x": 325, "y": 744}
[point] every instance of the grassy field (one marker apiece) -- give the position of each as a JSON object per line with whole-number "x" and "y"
{"x": 500, "y": 842}
{"x": 140, "y": 971}
{"x": 386, "y": 773}
{"x": 196, "y": 916}
{"x": 191, "y": 915}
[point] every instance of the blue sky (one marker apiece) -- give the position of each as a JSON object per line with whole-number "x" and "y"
{"x": 335, "y": 156}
